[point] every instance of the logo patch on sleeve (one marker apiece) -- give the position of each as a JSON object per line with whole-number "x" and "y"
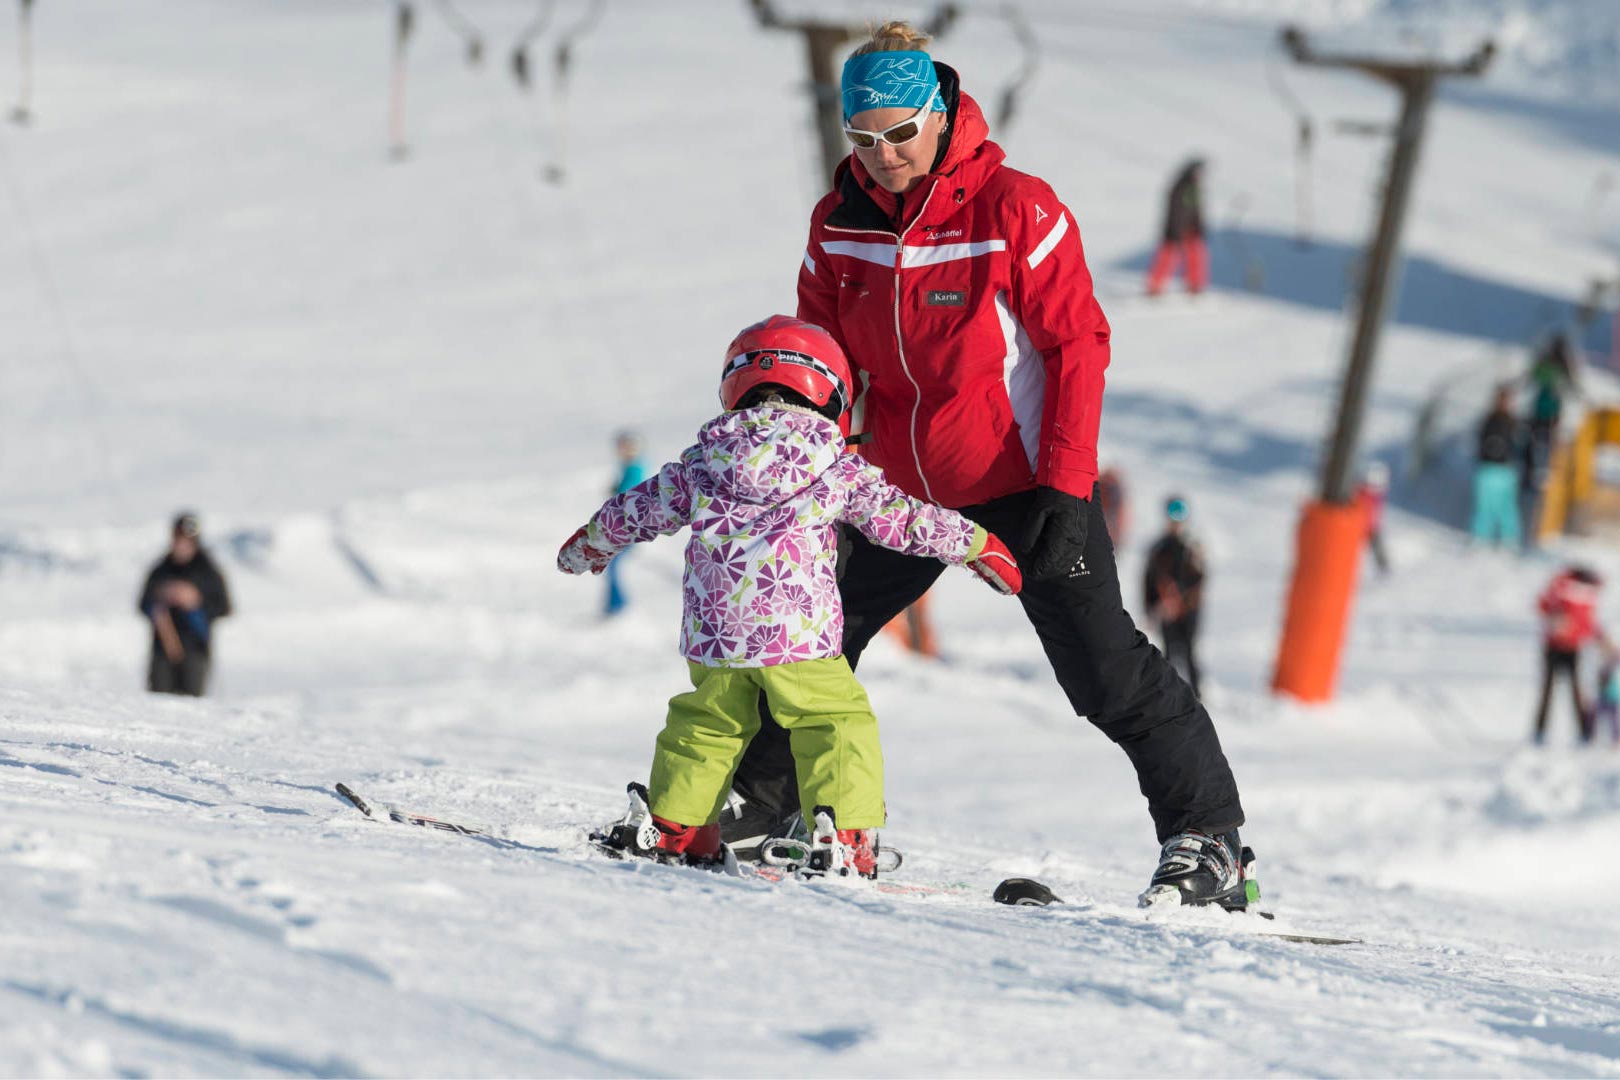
{"x": 946, "y": 298}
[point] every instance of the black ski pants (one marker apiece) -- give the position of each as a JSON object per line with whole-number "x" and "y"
{"x": 189, "y": 676}
{"x": 1181, "y": 649}
{"x": 1556, "y": 662}
{"x": 1109, "y": 670}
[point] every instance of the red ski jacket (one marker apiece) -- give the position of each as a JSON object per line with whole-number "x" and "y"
{"x": 966, "y": 308}
{"x": 1569, "y": 611}
{"x": 1371, "y": 500}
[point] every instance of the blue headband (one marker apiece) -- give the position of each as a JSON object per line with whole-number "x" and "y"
{"x": 889, "y": 80}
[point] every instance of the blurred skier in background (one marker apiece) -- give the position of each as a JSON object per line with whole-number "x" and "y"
{"x": 1607, "y": 712}
{"x": 764, "y": 490}
{"x": 1371, "y": 495}
{"x": 627, "y": 446}
{"x": 1115, "y": 507}
{"x": 1496, "y": 483}
{"x": 1568, "y": 608}
{"x": 913, "y": 629}
{"x": 1551, "y": 379}
{"x": 1173, "y": 591}
{"x": 183, "y": 595}
{"x": 1182, "y": 243}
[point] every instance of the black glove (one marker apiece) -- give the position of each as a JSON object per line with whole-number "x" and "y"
{"x": 1055, "y": 538}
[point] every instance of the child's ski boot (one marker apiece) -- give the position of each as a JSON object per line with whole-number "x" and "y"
{"x": 1196, "y": 869}
{"x": 828, "y": 851}
{"x": 643, "y": 834}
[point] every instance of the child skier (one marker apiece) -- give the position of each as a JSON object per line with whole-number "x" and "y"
{"x": 1607, "y": 712}
{"x": 764, "y": 489}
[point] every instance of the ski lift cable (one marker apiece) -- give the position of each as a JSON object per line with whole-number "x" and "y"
{"x": 562, "y": 63}
{"x": 1123, "y": 18}
{"x": 563, "y": 54}
{"x": 1173, "y": 101}
{"x": 1304, "y": 223}
{"x": 520, "y": 48}
{"x": 538, "y": 24}
{"x": 464, "y": 27}
{"x": 95, "y": 411}
{"x": 1138, "y": 150}
{"x": 1130, "y": 83}
{"x": 23, "y": 111}
{"x": 1280, "y": 87}
{"x": 587, "y": 21}
{"x": 456, "y": 20}
{"x": 1029, "y": 63}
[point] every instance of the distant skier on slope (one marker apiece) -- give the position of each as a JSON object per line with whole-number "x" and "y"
{"x": 1568, "y": 610}
{"x": 1606, "y": 714}
{"x": 1173, "y": 591}
{"x": 1496, "y": 486}
{"x": 1551, "y": 380}
{"x": 1371, "y": 495}
{"x": 764, "y": 491}
{"x": 1116, "y": 505}
{"x": 182, "y": 596}
{"x": 1183, "y": 236}
{"x": 627, "y": 446}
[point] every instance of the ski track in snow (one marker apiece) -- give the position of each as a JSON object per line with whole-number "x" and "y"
{"x": 390, "y": 389}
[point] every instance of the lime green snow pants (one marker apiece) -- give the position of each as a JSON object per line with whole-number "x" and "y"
{"x": 829, "y": 722}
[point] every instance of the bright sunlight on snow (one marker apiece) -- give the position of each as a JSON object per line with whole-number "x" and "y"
{"x": 390, "y": 388}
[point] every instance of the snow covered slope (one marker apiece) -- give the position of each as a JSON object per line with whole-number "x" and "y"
{"x": 390, "y": 388}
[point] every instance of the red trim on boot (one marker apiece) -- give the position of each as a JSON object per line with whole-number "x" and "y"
{"x": 862, "y": 850}
{"x": 701, "y": 841}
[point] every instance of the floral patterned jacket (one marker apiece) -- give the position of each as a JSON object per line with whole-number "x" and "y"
{"x": 764, "y": 490}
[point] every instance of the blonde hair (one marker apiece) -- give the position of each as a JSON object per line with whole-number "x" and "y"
{"x": 896, "y": 35}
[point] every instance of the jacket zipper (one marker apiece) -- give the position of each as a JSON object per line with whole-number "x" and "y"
{"x": 899, "y": 345}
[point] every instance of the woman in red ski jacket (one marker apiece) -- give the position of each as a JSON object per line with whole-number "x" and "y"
{"x": 959, "y": 290}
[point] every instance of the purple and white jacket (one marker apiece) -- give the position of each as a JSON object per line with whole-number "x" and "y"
{"x": 764, "y": 490}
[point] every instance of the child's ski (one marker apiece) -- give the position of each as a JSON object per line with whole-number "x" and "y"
{"x": 381, "y": 812}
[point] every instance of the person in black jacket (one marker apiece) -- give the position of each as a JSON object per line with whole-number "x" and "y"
{"x": 183, "y": 595}
{"x": 1496, "y": 481}
{"x": 1173, "y": 591}
{"x": 1183, "y": 240}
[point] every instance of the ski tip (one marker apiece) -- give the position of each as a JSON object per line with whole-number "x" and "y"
{"x": 1024, "y": 892}
{"x": 355, "y": 800}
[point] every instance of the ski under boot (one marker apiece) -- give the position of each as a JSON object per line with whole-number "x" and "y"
{"x": 1197, "y": 869}
{"x": 643, "y": 834}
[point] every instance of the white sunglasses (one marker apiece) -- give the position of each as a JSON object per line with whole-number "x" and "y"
{"x": 895, "y": 134}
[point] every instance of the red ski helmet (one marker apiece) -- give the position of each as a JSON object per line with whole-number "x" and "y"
{"x": 793, "y": 354}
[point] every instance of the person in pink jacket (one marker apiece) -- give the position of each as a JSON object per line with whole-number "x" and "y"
{"x": 763, "y": 491}
{"x": 1569, "y": 622}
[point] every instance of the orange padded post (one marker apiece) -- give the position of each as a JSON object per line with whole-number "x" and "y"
{"x": 1327, "y": 561}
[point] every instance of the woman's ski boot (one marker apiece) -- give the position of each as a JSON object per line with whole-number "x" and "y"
{"x": 1196, "y": 869}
